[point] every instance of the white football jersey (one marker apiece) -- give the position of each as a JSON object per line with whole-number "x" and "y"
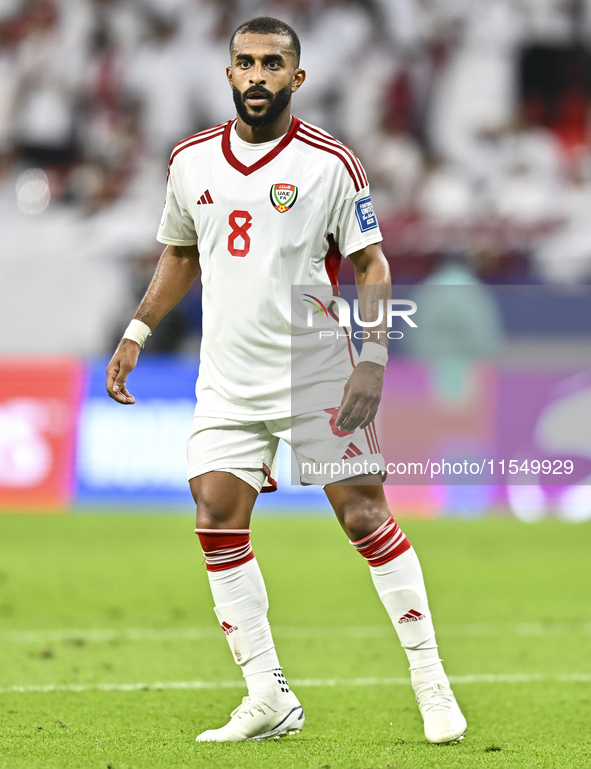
{"x": 282, "y": 221}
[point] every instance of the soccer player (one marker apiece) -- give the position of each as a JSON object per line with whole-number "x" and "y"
{"x": 257, "y": 205}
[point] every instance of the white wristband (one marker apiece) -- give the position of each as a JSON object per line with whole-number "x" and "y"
{"x": 374, "y": 353}
{"x": 137, "y": 331}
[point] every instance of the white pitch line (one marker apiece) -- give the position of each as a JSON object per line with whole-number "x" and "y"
{"x": 298, "y": 684}
{"x": 107, "y": 634}
{"x": 198, "y": 634}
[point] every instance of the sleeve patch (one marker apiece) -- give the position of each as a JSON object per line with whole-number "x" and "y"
{"x": 365, "y": 214}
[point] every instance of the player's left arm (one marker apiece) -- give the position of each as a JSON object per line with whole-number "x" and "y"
{"x": 363, "y": 391}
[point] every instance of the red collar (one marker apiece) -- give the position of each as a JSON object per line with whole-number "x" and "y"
{"x": 247, "y": 170}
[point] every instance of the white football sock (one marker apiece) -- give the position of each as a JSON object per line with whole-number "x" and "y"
{"x": 267, "y": 682}
{"x": 241, "y": 607}
{"x": 398, "y": 578}
{"x": 401, "y": 588}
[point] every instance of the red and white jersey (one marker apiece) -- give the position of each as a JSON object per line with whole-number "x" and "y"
{"x": 281, "y": 221}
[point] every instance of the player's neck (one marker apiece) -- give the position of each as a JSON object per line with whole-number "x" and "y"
{"x": 267, "y": 133}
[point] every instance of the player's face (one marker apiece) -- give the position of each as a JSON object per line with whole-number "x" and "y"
{"x": 263, "y": 76}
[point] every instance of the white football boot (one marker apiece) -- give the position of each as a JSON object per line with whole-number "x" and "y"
{"x": 258, "y": 719}
{"x": 441, "y": 713}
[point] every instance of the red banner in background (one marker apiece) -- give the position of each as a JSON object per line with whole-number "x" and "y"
{"x": 39, "y": 404}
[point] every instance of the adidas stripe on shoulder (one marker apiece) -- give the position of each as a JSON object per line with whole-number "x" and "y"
{"x": 315, "y": 137}
{"x": 198, "y": 138}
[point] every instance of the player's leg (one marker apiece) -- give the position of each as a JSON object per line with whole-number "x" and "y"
{"x": 224, "y": 506}
{"x": 362, "y": 511}
{"x": 225, "y": 499}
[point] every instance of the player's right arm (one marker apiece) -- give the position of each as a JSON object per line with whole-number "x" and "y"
{"x": 177, "y": 269}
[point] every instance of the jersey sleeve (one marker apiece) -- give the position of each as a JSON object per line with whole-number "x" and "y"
{"x": 177, "y": 227}
{"x": 353, "y": 223}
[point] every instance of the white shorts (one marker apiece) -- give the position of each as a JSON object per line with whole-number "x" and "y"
{"x": 248, "y": 450}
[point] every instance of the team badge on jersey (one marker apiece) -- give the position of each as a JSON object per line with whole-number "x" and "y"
{"x": 365, "y": 214}
{"x": 283, "y": 196}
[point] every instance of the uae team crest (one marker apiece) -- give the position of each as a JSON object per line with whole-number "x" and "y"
{"x": 283, "y": 196}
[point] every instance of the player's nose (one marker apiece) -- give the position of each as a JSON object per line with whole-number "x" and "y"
{"x": 257, "y": 76}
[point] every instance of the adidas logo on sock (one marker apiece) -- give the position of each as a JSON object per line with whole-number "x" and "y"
{"x": 411, "y": 616}
{"x": 227, "y": 628}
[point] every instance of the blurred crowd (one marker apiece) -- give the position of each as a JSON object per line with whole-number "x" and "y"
{"x": 471, "y": 116}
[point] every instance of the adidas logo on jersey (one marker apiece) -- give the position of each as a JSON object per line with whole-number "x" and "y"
{"x": 227, "y": 628}
{"x": 205, "y": 199}
{"x": 411, "y": 616}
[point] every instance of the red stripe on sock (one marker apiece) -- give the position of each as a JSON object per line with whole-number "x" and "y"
{"x": 386, "y": 543}
{"x": 225, "y": 549}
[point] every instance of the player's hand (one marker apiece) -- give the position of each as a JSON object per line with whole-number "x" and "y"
{"x": 120, "y": 365}
{"x": 362, "y": 396}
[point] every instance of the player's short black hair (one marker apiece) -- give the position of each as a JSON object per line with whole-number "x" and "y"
{"x": 266, "y": 25}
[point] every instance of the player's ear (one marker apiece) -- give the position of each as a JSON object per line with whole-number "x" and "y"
{"x": 299, "y": 76}
{"x": 229, "y": 75}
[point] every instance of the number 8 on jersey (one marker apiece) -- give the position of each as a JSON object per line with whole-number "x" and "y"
{"x": 239, "y": 232}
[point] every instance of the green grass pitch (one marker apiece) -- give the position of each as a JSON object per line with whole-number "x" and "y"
{"x": 112, "y": 615}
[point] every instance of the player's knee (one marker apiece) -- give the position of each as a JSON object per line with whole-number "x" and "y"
{"x": 212, "y": 516}
{"x": 210, "y": 513}
{"x": 215, "y": 511}
{"x": 361, "y": 520}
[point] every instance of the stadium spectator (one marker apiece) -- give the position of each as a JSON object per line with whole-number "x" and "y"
{"x": 47, "y": 79}
{"x": 163, "y": 59}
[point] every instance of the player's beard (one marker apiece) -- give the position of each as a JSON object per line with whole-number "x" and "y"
{"x": 277, "y": 104}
